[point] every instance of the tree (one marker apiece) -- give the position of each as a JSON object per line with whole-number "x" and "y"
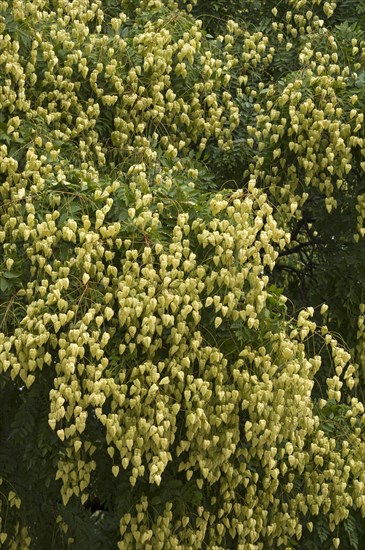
{"x": 169, "y": 177}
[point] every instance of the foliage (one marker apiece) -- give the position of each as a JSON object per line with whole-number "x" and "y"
{"x": 170, "y": 173}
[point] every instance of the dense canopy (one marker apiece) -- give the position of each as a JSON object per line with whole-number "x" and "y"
{"x": 182, "y": 274}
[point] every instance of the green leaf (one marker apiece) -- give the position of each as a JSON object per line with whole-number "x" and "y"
{"x": 4, "y": 285}
{"x": 11, "y": 275}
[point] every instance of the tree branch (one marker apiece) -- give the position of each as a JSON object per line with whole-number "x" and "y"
{"x": 298, "y": 248}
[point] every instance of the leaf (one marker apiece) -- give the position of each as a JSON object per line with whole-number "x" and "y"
{"x": 11, "y": 275}
{"x": 350, "y": 526}
{"x": 4, "y": 285}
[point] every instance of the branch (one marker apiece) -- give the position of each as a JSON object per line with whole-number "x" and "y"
{"x": 298, "y": 248}
{"x": 298, "y": 273}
